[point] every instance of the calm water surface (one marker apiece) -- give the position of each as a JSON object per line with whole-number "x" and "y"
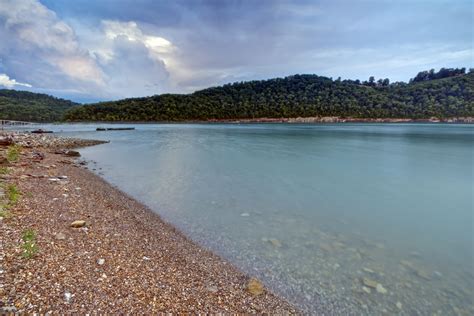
{"x": 316, "y": 211}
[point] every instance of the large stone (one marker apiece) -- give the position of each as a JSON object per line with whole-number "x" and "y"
{"x": 72, "y": 153}
{"x": 255, "y": 287}
{"x": 380, "y": 289}
{"x": 78, "y": 224}
{"x": 370, "y": 283}
{"x": 275, "y": 242}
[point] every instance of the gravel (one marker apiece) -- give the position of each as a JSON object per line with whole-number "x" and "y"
{"x": 125, "y": 259}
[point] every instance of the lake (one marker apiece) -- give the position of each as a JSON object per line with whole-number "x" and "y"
{"x": 338, "y": 218}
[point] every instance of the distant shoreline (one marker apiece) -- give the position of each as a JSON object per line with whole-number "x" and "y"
{"x": 294, "y": 120}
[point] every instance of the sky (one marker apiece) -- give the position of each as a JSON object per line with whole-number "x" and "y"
{"x": 92, "y": 50}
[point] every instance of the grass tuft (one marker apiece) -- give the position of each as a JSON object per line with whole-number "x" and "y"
{"x": 13, "y": 153}
{"x": 30, "y": 249}
{"x": 12, "y": 193}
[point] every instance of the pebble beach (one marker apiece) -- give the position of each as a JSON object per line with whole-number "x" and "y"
{"x": 72, "y": 243}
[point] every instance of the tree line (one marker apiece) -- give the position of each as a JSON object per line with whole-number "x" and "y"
{"x": 297, "y": 96}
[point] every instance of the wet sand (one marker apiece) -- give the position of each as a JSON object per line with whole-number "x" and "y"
{"x": 124, "y": 260}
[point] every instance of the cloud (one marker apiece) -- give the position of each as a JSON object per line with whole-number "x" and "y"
{"x": 96, "y": 50}
{"x": 10, "y": 83}
{"x": 34, "y": 34}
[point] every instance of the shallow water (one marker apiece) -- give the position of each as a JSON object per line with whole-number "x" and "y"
{"x": 314, "y": 209}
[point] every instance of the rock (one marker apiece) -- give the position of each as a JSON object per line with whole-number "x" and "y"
{"x": 4, "y": 161}
{"x": 255, "y": 287}
{"x": 366, "y": 290}
{"x": 368, "y": 270}
{"x": 7, "y": 310}
{"x": 101, "y": 261}
{"x": 146, "y": 258}
{"x": 422, "y": 274}
{"x": 245, "y": 214}
{"x": 370, "y": 283}
{"x": 380, "y": 289}
{"x": 6, "y": 141}
{"x": 212, "y": 289}
{"x": 72, "y": 153}
{"x": 399, "y": 305}
{"x": 60, "y": 236}
{"x": 78, "y": 224}
{"x": 67, "y": 297}
{"x": 275, "y": 242}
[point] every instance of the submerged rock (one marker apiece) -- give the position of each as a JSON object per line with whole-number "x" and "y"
{"x": 366, "y": 290}
{"x": 78, "y": 224}
{"x": 380, "y": 289}
{"x": 275, "y": 242}
{"x": 370, "y": 283}
{"x": 399, "y": 305}
{"x": 255, "y": 287}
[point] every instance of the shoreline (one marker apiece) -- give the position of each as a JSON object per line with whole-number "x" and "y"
{"x": 124, "y": 259}
{"x": 294, "y": 120}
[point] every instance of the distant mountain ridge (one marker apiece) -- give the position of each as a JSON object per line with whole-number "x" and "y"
{"x": 35, "y": 107}
{"x": 298, "y": 96}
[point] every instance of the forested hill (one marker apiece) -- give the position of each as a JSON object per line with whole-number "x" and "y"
{"x": 33, "y": 107}
{"x": 299, "y": 96}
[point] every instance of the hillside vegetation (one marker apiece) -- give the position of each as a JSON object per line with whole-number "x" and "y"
{"x": 33, "y": 107}
{"x": 300, "y": 96}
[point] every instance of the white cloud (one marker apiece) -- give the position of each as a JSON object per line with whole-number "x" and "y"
{"x": 37, "y": 32}
{"x": 10, "y": 83}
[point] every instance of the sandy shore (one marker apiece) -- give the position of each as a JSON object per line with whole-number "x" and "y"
{"x": 125, "y": 259}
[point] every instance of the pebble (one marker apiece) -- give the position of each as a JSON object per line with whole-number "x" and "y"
{"x": 366, "y": 290}
{"x": 101, "y": 261}
{"x": 213, "y": 289}
{"x": 60, "y": 236}
{"x": 399, "y": 305}
{"x": 380, "y": 289}
{"x": 78, "y": 224}
{"x": 370, "y": 283}
{"x": 275, "y": 242}
{"x": 255, "y": 287}
{"x": 67, "y": 297}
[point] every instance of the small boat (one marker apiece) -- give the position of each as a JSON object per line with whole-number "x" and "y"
{"x": 115, "y": 129}
{"x": 41, "y": 131}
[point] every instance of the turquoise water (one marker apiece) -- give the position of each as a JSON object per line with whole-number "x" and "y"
{"x": 314, "y": 209}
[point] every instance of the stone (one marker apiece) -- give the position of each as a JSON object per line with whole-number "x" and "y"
{"x": 67, "y": 297}
{"x": 255, "y": 287}
{"x": 72, "y": 153}
{"x": 368, "y": 270}
{"x": 78, "y": 224}
{"x": 213, "y": 289}
{"x": 380, "y": 289}
{"x": 245, "y": 214}
{"x": 101, "y": 261}
{"x": 366, "y": 290}
{"x": 399, "y": 305}
{"x": 370, "y": 283}
{"x": 60, "y": 236}
{"x": 275, "y": 242}
{"x": 422, "y": 274}
{"x": 62, "y": 177}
